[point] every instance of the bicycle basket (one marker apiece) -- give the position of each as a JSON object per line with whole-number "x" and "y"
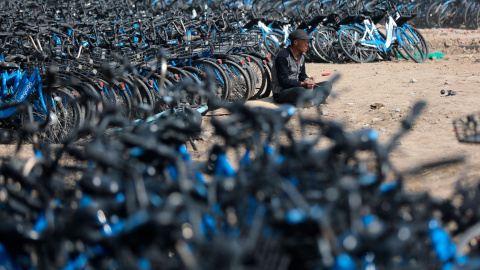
{"x": 346, "y": 16}
{"x": 179, "y": 51}
{"x": 467, "y": 128}
{"x": 226, "y": 42}
{"x": 403, "y": 15}
{"x": 377, "y": 16}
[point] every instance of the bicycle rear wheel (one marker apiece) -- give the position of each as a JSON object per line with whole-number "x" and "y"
{"x": 349, "y": 39}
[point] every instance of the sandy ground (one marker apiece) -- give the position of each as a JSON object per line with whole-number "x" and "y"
{"x": 397, "y": 85}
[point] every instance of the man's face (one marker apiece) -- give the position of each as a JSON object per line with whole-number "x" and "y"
{"x": 301, "y": 45}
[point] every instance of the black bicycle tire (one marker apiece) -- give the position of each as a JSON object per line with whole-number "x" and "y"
{"x": 52, "y": 132}
{"x": 410, "y": 48}
{"x": 275, "y": 47}
{"x": 124, "y": 102}
{"x": 447, "y": 18}
{"x": 223, "y": 92}
{"x": 246, "y": 66}
{"x": 240, "y": 87}
{"x": 431, "y": 15}
{"x": 423, "y": 42}
{"x": 200, "y": 77}
{"x": 261, "y": 75}
{"x": 330, "y": 53}
{"x": 350, "y": 47}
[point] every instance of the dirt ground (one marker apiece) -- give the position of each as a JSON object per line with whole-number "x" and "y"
{"x": 397, "y": 85}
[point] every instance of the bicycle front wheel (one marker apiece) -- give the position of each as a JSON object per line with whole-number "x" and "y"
{"x": 350, "y": 42}
{"x": 65, "y": 115}
{"x": 327, "y": 45}
{"x": 410, "y": 45}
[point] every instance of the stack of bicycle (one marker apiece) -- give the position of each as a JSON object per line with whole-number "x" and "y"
{"x": 138, "y": 201}
{"x": 91, "y": 44}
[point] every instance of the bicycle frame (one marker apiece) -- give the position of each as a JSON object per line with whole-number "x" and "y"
{"x": 23, "y": 90}
{"x": 374, "y": 39}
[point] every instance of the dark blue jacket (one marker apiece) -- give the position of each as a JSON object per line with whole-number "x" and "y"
{"x": 288, "y": 71}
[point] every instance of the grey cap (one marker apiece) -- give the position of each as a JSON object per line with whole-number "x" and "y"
{"x": 298, "y": 34}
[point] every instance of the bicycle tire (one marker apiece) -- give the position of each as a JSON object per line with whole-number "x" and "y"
{"x": 240, "y": 87}
{"x": 348, "y": 38}
{"x": 469, "y": 18}
{"x": 423, "y": 42}
{"x": 124, "y": 102}
{"x": 145, "y": 90}
{"x": 247, "y": 67}
{"x": 132, "y": 90}
{"x": 410, "y": 48}
{"x": 432, "y": 13}
{"x": 448, "y": 15}
{"x": 273, "y": 42}
{"x": 193, "y": 98}
{"x": 200, "y": 79}
{"x": 268, "y": 87}
{"x": 109, "y": 98}
{"x": 327, "y": 44}
{"x": 221, "y": 79}
{"x": 261, "y": 75}
{"x": 65, "y": 115}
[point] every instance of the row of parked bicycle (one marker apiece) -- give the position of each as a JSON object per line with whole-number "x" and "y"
{"x": 134, "y": 199}
{"x": 92, "y": 41}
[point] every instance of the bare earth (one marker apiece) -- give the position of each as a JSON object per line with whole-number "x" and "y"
{"x": 398, "y": 85}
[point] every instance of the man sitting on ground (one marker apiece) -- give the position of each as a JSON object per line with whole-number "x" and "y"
{"x": 290, "y": 80}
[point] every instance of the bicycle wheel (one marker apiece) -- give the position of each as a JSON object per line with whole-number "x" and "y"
{"x": 470, "y": 17}
{"x": 222, "y": 83}
{"x": 123, "y": 102}
{"x": 274, "y": 43}
{"x": 199, "y": 77}
{"x": 248, "y": 68}
{"x": 240, "y": 87}
{"x": 65, "y": 115}
{"x": 133, "y": 92}
{"x": 431, "y": 16}
{"x": 327, "y": 44}
{"x": 260, "y": 75}
{"x": 422, "y": 42}
{"x": 448, "y": 15}
{"x": 410, "y": 47}
{"x": 349, "y": 39}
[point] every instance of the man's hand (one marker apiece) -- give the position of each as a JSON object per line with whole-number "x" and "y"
{"x": 308, "y": 83}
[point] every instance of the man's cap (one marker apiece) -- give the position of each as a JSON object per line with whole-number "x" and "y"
{"x": 298, "y": 34}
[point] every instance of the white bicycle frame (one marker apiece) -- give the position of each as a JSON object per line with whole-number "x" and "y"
{"x": 375, "y": 40}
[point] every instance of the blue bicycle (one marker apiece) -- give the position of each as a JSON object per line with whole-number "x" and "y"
{"x": 54, "y": 110}
{"x": 361, "y": 41}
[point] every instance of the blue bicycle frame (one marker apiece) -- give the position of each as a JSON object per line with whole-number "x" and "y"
{"x": 25, "y": 87}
